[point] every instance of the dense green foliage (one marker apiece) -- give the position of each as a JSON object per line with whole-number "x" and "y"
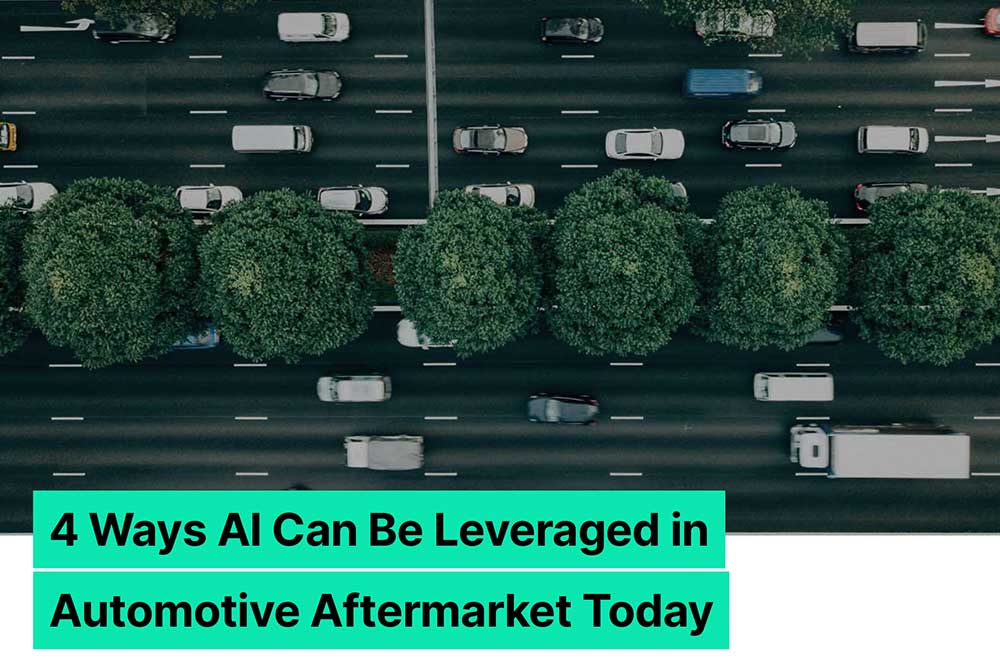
{"x": 623, "y": 283}
{"x": 928, "y": 276}
{"x": 281, "y": 277}
{"x": 774, "y": 267}
{"x": 116, "y": 8}
{"x": 14, "y": 325}
{"x": 471, "y": 274}
{"x": 110, "y": 269}
{"x": 802, "y": 26}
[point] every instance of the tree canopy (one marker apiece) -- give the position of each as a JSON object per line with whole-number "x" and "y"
{"x": 471, "y": 274}
{"x": 283, "y": 278}
{"x": 119, "y": 8}
{"x": 774, "y": 267}
{"x": 110, "y": 270}
{"x": 14, "y": 326}
{"x": 928, "y": 276}
{"x": 801, "y": 26}
{"x": 623, "y": 282}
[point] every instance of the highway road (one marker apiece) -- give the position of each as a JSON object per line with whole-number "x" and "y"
{"x": 194, "y": 421}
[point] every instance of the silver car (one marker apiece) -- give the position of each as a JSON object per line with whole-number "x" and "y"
{"x": 26, "y": 196}
{"x": 385, "y": 452}
{"x": 646, "y": 144}
{"x": 408, "y": 336}
{"x": 735, "y": 24}
{"x": 207, "y": 199}
{"x": 505, "y": 194}
{"x": 356, "y": 199}
{"x": 313, "y": 27}
{"x": 354, "y": 388}
{"x": 489, "y": 139}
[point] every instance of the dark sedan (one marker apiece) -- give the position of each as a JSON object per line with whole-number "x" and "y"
{"x": 759, "y": 134}
{"x": 572, "y": 30}
{"x": 562, "y": 409}
{"x": 302, "y": 84}
{"x": 153, "y": 28}
{"x": 866, "y": 194}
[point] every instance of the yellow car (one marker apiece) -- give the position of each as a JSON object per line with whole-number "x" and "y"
{"x": 8, "y": 136}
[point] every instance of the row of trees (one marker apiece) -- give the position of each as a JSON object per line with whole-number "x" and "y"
{"x": 115, "y": 270}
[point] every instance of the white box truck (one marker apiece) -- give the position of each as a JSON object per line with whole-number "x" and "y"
{"x": 894, "y": 451}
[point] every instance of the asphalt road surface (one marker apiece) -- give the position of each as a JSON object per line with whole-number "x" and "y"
{"x": 192, "y": 420}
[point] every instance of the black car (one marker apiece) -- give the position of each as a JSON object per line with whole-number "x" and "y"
{"x": 866, "y": 194}
{"x": 563, "y": 409}
{"x": 152, "y": 28}
{"x": 575, "y": 30}
{"x": 302, "y": 84}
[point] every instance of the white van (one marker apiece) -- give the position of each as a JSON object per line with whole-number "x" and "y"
{"x": 895, "y": 37}
{"x": 892, "y": 139}
{"x": 272, "y": 138}
{"x": 793, "y": 387}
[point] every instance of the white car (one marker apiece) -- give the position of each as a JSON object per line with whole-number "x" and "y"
{"x": 313, "y": 27}
{"x": 408, "y": 336}
{"x": 505, "y": 194}
{"x": 356, "y": 199}
{"x": 736, "y": 24}
{"x": 354, "y": 388}
{"x": 207, "y": 199}
{"x": 385, "y": 452}
{"x": 649, "y": 144}
{"x": 26, "y": 196}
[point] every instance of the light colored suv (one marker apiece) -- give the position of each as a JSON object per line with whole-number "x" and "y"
{"x": 385, "y": 452}
{"x": 313, "y": 27}
{"x": 354, "y": 388}
{"x": 889, "y": 139}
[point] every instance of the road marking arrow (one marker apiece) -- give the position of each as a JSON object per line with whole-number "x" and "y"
{"x": 79, "y": 25}
{"x": 988, "y": 83}
{"x": 957, "y": 26}
{"x": 989, "y": 138}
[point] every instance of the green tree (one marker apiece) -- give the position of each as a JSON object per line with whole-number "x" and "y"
{"x": 14, "y": 326}
{"x": 119, "y": 8}
{"x": 801, "y": 26}
{"x": 471, "y": 274}
{"x": 281, "y": 277}
{"x": 775, "y": 264}
{"x": 623, "y": 282}
{"x": 927, "y": 276}
{"x": 110, "y": 270}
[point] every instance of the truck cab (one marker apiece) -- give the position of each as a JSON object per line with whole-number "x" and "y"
{"x": 810, "y": 446}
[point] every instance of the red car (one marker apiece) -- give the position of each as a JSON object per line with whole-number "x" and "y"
{"x": 992, "y": 22}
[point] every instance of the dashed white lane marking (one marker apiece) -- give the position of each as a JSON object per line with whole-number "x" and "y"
{"x": 440, "y": 474}
{"x": 65, "y": 365}
{"x": 813, "y": 365}
{"x": 393, "y": 111}
{"x": 957, "y": 26}
{"x": 390, "y": 55}
{"x": 207, "y": 112}
{"x": 762, "y": 165}
{"x": 208, "y": 166}
{"x": 765, "y": 111}
{"x": 440, "y": 363}
{"x": 810, "y": 474}
{"x": 627, "y": 418}
{"x": 439, "y": 418}
{"x": 626, "y": 363}
{"x": 952, "y": 164}
{"x": 69, "y": 474}
{"x": 17, "y": 57}
{"x": 586, "y": 56}
{"x": 249, "y": 365}
{"x": 952, "y": 55}
{"x": 813, "y": 419}
{"x": 18, "y": 113}
{"x": 953, "y": 110}
{"x": 205, "y": 57}
{"x": 580, "y": 112}
{"x": 985, "y": 474}
{"x": 250, "y": 419}
{"x": 986, "y": 418}
{"x": 20, "y": 166}
{"x": 391, "y": 166}
{"x": 578, "y": 166}
{"x": 765, "y": 55}
{"x": 625, "y": 474}
{"x": 385, "y": 309}
{"x": 841, "y": 309}
{"x": 986, "y": 364}
{"x": 252, "y": 474}
{"x": 66, "y": 419}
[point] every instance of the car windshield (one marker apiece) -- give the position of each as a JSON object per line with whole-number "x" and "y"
{"x": 914, "y": 139}
{"x": 621, "y": 143}
{"x": 4, "y": 135}
{"x": 213, "y": 198}
{"x": 329, "y": 24}
{"x": 513, "y": 195}
{"x": 24, "y": 196}
{"x": 580, "y": 28}
{"x": 489, "y": 139}
{"x": 364, "y": 200}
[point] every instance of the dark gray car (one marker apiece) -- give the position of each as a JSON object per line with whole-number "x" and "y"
{"x": 760, "y": 134}
{"x": 302, "y": 84}
{"x": 563, "y": 409}
{"x": 572, "y": 30}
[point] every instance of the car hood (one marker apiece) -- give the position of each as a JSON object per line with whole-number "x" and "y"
{"x": 517, "y": 139}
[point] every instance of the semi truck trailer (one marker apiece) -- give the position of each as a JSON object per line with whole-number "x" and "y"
{"x": 893, "y": 451}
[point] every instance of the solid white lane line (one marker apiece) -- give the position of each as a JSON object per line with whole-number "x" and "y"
{"x": 249, "y": 365}
{"x": 952, "y": 55}
{"x": 66, "y": 419}
{"x": 813, "y": 365}
{"x": 211, "y": 57}
{"x": 20, "y": 166}
{"x": 810, "y": 474}
{"x": 986, "y": 418}
{"x": 208, "y": 166}
{"x": 440, "y": 474}
{"x": 587, "y": 56}
{"x": 440, "y": 363}
{"x": 433, "y": 418}
{"x": 765, "y": 55}
{"x": 627, "y": 363}
{"x": 250, "y": 419}
{"x": 817, "y": 419}
{"x": 17, "y": 57}
{"x": 765, "y": 111}
{"x": 625, "y": 474}
{"x": 391, "y": 55}
{"x": 69, "y": 474}
{"x": 252, "y": 474}
{"x": 579, "y": 112}
{"x": 65, "y": 365}
{"x": 953, "y": 110}
{"x": 952, "y": 164}
{"x": 578, "y": 166}
{"x": 985, "y": 474}
{"x": 622, "y": 418}
{"x": 18, "y": 113}
{"x": 392, "y": 166}
{"x": 207, "y": 112}
{"x": 765, "y": 165}
{"x": 393, "y": 111}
